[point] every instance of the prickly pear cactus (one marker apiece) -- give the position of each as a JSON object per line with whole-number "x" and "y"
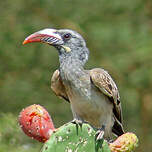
{"x": 36, "y": 122}
{"x": 66, "y": 139}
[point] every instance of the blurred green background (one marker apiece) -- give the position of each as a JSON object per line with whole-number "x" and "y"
{"x": 119, "y": 36}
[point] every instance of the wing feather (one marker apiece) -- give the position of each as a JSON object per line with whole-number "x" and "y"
{"x": 58, "y": 87}
{"x": 103, "y": 81}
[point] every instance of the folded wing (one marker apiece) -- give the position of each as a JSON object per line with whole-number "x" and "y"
{"x": 103, "y": 81}
{"x": 58, "y": 87}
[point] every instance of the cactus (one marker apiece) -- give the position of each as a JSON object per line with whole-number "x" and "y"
{"x": 36, "y": 123}
{"x": 65, "y": 139}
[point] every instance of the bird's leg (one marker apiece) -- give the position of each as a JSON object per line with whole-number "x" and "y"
{"x": 99, "y": 138}
{"x": 78, "y": 121}
{"x": 78, "y": 124}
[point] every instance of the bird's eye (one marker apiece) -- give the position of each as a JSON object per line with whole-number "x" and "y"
{"x": 67, "y": 36}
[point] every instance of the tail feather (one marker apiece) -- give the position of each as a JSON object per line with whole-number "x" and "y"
{"x": 117, "y": 128}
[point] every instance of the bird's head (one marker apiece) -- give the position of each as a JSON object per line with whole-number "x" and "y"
{"x": 67, "y": 42}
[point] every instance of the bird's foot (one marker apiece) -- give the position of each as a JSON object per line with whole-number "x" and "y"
{"x": 99, "y": 138}
{"x": 99, "y": 135}
{"x": 78, "y": 124}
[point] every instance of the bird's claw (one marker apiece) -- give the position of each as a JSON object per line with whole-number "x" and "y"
{"x": 99, "y": 135}
{"x": 99, "y": 138}
{"x": 78, "y": 124}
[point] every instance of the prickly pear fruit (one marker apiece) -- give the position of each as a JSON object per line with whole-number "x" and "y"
{"x": 125, "y": 143}
{"x": 36, "y": 122}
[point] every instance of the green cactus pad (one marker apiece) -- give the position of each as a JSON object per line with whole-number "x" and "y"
{"x": 66, "y": 139}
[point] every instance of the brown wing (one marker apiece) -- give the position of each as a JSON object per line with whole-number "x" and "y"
{"x": 102, "y": 80}
{"x": 57, "y": 86}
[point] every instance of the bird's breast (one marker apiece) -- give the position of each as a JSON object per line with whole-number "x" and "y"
{"x": 90, "y": 104}
{"x": 86, "y": 100}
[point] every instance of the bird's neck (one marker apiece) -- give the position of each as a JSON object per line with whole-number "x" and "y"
{"x": 72, "y": 63}
{"x": 69, "y": 65}
{"x": 76, "y": 58}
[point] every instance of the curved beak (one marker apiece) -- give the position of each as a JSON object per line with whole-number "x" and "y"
{"x": 49, "y": 36}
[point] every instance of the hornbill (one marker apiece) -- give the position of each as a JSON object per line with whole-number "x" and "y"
{"x": 93, "y": 95}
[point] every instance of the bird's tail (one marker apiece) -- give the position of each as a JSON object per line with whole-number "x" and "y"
{"x": 117, "y": 128}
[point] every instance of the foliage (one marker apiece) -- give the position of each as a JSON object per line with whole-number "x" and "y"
{"x": 11, "y": 137}
{"x": 119, "y": 36}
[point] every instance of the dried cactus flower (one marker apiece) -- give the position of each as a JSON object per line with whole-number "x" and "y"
{"x": 125, "y": 143}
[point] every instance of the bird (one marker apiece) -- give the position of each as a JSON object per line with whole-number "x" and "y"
{"x": 93, "y": 95}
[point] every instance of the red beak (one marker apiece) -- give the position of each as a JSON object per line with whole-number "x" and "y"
{"x": 49, "y": 36}
{"x": 34, "y": 38}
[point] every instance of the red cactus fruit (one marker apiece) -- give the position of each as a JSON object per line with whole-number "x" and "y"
{"x": 36, "y": 122}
